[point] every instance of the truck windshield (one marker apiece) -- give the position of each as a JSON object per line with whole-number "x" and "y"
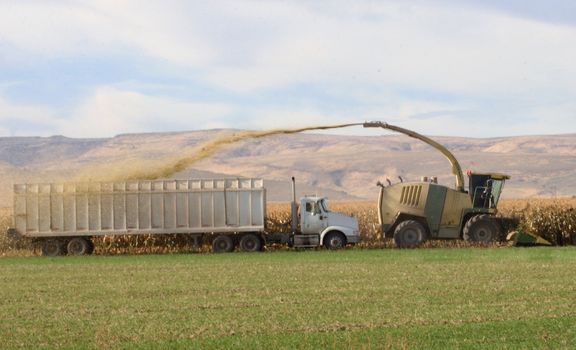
{"x": 323, "y": 205}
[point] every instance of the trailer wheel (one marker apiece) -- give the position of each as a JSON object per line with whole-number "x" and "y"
{"x": 481, "y": 228}
{"x": 409, "y": 234}
{"x": 222, "y": 244}
{"x": 250, "y": 243}
{"x": 78, "y": 246}
{"x": 53, "y": 247}
{"x": 334, "y": 240}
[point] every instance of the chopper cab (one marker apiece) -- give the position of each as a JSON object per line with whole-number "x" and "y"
{"x": 485, "y": 189}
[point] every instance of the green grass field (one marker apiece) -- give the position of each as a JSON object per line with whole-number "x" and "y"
{"x": 373, "y": 299}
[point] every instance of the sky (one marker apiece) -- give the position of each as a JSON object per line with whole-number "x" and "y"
{"x": 441, "y": 67}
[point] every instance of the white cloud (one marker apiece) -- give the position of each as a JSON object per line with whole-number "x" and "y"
{"x": 249, "y": 45}
{"x": 378, "y": 55}
{"x": 110, "y": 111}
{"x": 4, "y": 132}
{"x": 393, "y": 109}
{"x": 431, "y": 47}
{"x": 73, "y": 28}
{"x": 272, "y": 118}
{"x": 31, "y": 120}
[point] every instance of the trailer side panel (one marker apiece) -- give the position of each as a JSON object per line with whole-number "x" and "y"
{"x": 140, "y": 207}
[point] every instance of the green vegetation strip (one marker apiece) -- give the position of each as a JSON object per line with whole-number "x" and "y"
{"x": 426, "y": 298}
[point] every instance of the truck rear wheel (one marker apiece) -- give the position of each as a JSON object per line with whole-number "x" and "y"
{"x": 53, "y": 247}
{"x": 250, "y": 243}
{"x": 334, "y": 240}
{"x": 481, "y": 228}
{"x": 222, "y": 244}
{"x": 78, "y": 246}
{"x": 409, "y": 234}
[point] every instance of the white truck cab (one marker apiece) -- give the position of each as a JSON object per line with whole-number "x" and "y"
{"x": 330, "y": 229}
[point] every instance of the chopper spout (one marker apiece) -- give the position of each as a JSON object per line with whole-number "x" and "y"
{"x": 456, "y": 169}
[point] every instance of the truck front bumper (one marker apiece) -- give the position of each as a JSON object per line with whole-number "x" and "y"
{"x": 353, "y": 239}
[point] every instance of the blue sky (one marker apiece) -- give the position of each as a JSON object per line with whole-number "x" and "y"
{"x": 446, "y": 67}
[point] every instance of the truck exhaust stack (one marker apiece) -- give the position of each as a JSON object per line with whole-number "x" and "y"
{"x": 294, "y": 207}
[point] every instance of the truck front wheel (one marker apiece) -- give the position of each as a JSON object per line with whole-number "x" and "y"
{"x": 409, "y": 234}
{"x": 222, "y": 244}
{"x": 334, "y": 240}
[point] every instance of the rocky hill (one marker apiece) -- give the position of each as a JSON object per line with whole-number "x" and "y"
{"x": 341, "y": 167}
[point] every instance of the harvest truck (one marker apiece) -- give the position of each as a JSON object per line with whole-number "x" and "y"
{"x": 230, "y": 213}
{"x": 413, "y": 212}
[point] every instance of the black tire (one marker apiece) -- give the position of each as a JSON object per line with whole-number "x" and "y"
{"x": 409, "y": 234}
{"x": 250, "y": 243}
{"x": 481, "y": 228}
{"x": 78, "y": 246}
{"x": 334, "y": 240}
{"x": 222, "y": 244}
{"x": 53, "y": 247}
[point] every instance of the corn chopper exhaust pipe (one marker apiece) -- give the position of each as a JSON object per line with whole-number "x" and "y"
{"x": 456, "y": 169}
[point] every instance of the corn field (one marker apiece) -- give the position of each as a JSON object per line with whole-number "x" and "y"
{"x": 552, "y": 219}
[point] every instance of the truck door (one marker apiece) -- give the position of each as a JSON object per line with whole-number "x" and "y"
{"x": 314, "y": 220}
